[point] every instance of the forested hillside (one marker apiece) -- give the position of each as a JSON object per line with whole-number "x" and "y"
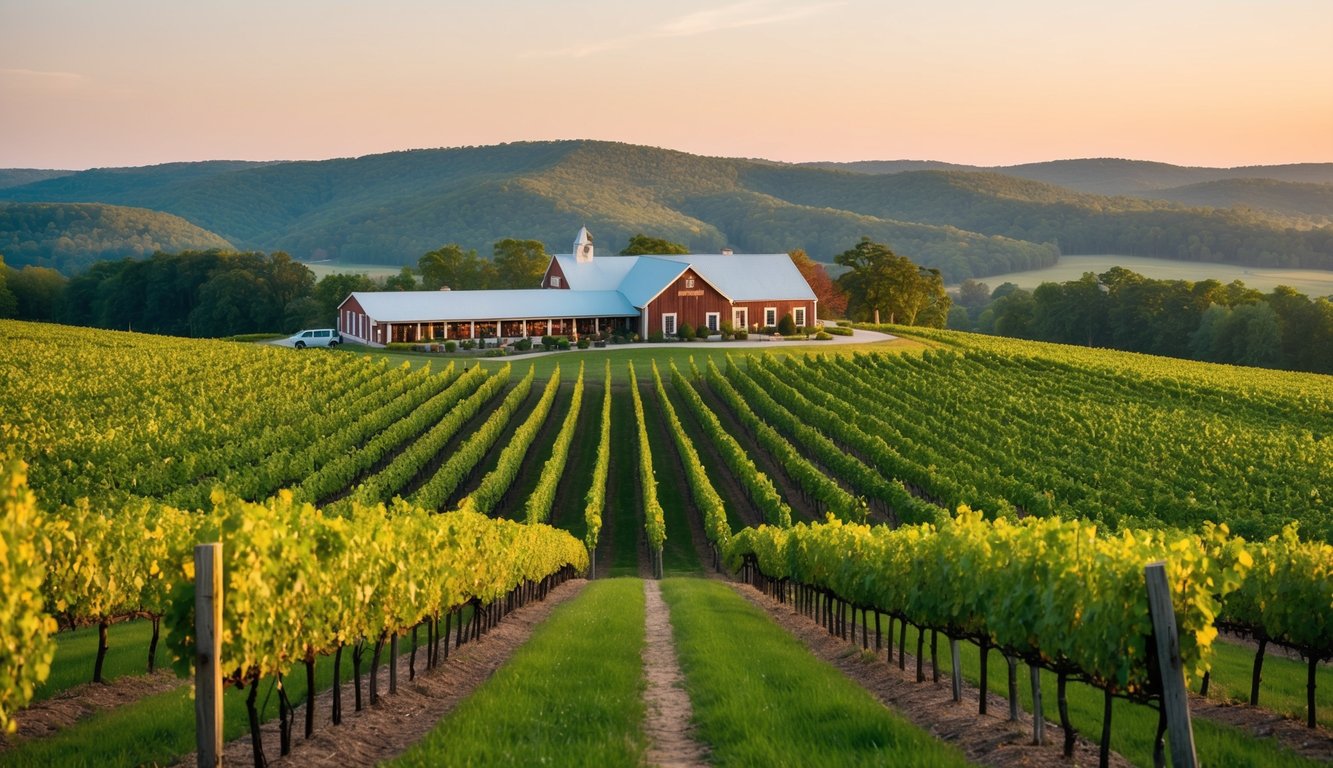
{"x": 391, "y": 208}
{"x": 71, "y": 236}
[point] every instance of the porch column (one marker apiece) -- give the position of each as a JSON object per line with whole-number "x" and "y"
{"x": 525, "y": 329}
{"x": 388, "y": 333}
{"x": 472, "y": 329}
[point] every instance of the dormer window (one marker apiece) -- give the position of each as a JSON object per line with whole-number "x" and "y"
{"x": 689, "y": 282}
{"x": 555, "y": 281}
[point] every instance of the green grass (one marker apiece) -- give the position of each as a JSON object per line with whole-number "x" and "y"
{"x": 572, "y": 695}
{"x": 640, "y": 355}
{"x": 1282, "y": 688}
{"x": 159, "y": 729}
{"x": 1311, "y": 282}
{"x": 1132, "y": 725}
{"x": 760, "y": 698}
{"x": 76, "y": 654}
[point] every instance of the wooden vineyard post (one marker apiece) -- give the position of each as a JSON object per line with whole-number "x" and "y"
{"x": 208, "y": 650}
{"x": 1175, "y": 697}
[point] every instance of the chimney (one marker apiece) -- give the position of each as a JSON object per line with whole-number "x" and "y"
{"x": 726, "y": 251}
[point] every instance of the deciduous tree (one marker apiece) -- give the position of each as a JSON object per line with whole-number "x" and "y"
{"x": 643, "y": 245}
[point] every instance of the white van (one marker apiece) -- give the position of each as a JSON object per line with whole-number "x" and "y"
{"x": 322, "y": 337}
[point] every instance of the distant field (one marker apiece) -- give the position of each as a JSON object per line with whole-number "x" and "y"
{"x": 322, "y": 268}
{"x": 1311, "y": 282}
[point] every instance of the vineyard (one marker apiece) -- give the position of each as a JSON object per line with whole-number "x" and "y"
{"x": 1005, "y": 496}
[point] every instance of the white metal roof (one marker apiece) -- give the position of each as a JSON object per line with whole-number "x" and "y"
{"x": 744, "y": 277}
{"x": 522, "y": 304}
{"x": 750, "y": 277}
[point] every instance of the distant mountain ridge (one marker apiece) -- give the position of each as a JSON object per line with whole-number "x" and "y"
{"x": 71, "y": 236}
{"x": 391, "y": 208}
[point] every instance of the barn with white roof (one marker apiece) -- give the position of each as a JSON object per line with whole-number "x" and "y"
{"x": 581, "y": 294}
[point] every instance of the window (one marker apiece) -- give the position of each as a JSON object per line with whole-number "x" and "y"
{"x": 555, "y": 281}
{"x": 740, "y": 317}
{"x": 689, "y": 282}
{"x": 770, "y": 316}
{"x": 669, "y": 324}
{"x": 711, "y": 320}
{"x": 798, "y": 315}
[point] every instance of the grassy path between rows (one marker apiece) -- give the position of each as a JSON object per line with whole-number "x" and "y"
{"x": 572, "y": 695}
{"x": 761, "y": 698}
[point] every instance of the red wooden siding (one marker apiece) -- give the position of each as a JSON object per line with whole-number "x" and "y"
{"x": 756, "y": 311}
{"x": 553, "y": 270}
{"x": 352, "y": 319}
{"x": 691, "y": 305}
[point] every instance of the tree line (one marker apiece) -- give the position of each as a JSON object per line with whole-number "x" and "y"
{"x": 1121, "y": 309}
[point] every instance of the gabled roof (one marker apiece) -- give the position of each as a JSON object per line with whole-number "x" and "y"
{"x": 746, "y": 277}
{"x": 521, "y": 304}
{"x": 750, "y": 277}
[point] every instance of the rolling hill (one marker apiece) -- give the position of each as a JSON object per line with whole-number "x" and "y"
{"x": 70, "y": 236}
{"x": 391, "y": 208}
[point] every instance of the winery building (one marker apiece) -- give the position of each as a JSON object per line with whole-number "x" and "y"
{"x": 582, "y": 294}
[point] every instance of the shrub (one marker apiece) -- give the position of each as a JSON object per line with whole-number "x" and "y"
{"x": 450, "y": 346}
{"x": 562, "y": 343}
{"x": 657, "y": 337}
{"x": 469, "y": 344}
{"x": 685, "y": 331}
{"x": 837, "y": 330}
{"x": 844, "y": 323}
{"x": 822, "y": 336}
{"x": 728, "y": 330}
{"x": 787, "y": 326}
{"x": 401, "y": 346}
{"x": 523, "y": 345}
{"x": 702, "y": 332}
{"x": 584, "y": 343}
{"x": 742, "y": 334}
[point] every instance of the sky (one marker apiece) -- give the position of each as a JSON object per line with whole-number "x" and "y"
{"x": 1192, "y": 82}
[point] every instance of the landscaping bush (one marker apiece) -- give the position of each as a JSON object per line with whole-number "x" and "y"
{"x": 450, "y": 346}
{"x": 657, "y": 337}
{"x": 822, "y": 336}
{"x": 584, "y": 343}
{"x": 742, "y": 334}
{"x": 837, "y": 330}
{"x": 702, "y": 332}
{"x": 401, "y": 346}
{"x": 469, "y": 344}
{"x": 728, "y": 330}
{"x": 787, "y": 326}
{"x": 523, "y": 345}
{"x": 561, "y": 343}
{"x": 685, "y": 331}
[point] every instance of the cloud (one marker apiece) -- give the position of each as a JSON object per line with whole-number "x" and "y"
{"x": 748, "y": 13}
{"x": 36, "y": 74}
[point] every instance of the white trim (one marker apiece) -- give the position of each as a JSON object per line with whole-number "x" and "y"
{"x": 674, "y": 326}
{"x": 773, "y": 324}
{"x": 712, "y": 320}
{"x": 554, "y": 281}
{"x": 673, "y": 280}
{"x": 744, "y": 325}
{"x": 800, "y": 323}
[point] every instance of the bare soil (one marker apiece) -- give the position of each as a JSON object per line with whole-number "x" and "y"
{"x": 400, "y": 720}
{"x": 50, "y": 716}
{"x": 1314, "y": 743}
{"x": 667, "y": 723}
{"x": 724, "y": 481}
{"x": 989, "y": 739}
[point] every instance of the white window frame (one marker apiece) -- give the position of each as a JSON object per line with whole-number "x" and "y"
{"x": 689, "y": 282}
{"x": 770, "y": 323}
{"x": 713, "y": 320}
{"x": 674, "y": 325}
{"x": 798, "y": 314}
{"x": 555, "y": 281}
{"x": 744, "y": 312}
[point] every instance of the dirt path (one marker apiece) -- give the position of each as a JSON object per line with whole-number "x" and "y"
{"x": 377, "y": 734}
{"x": 989, "y": 739}
{"x": 667, "y": 722}
{"x": 50, "y": 716}
{"x": 659, "y": 431}
{"x": 1314, "y": 743}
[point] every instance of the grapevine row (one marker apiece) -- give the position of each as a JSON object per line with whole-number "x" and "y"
{"x": 435, "y": 493}
{"x": 758, "y": 487}
{"x": 654, "y": 520}
{"x": 538, "y": 506}
{"x": 705, "y": 496}
{"x": 497, "y": 482}
{"x": 595, "y": 502}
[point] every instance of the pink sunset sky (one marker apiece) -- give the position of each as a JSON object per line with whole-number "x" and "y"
{"x": 1192, "y": 82}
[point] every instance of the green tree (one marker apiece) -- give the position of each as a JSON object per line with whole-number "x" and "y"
{"x": 880, "y": 282}
{"x": 452, "y": 267}
{"x": 9, "y": 305}
{"x": 519, "y": 263}
{"x": 331, "y": 290}
{"x": 38, "y": 291}
{"x": 1012, "y": 314}
{"x": 403, "y": 281}
{"x": 643, "y": 245}
{"x": 973, "y": 295}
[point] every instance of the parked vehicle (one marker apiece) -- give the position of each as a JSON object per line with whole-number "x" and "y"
{"x": 320, "y": 337}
